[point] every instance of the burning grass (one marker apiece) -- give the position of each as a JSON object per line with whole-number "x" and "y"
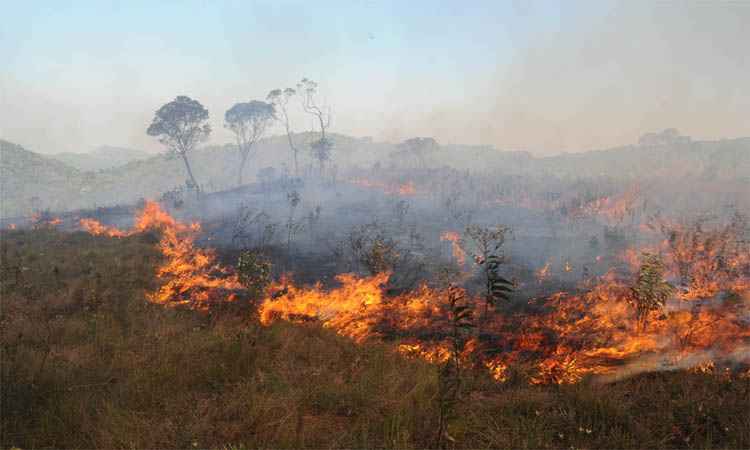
{"x": 596, "y": 332}
{"x": 88, "y": 363}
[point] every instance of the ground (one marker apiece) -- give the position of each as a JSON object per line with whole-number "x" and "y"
{"x": 87, "y": 362}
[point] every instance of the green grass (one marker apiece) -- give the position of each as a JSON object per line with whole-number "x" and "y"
{"x": 88, "y": 363}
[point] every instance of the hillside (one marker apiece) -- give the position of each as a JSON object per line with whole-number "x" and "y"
{"x": 103, "y": 157}
{"x": 726, "y": 159}
{"x": 32, "y": 181}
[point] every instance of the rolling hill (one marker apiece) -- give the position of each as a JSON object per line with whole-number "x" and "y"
{"x": 31, "y": 181}
{"x": 103, "y": 157}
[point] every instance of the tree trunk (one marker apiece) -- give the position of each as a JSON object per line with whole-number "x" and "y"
{"x": 242, "y": 166}
{"x": 296, "y": 167}
{"x": 293, "y": 148}
{"x": 190, "y": 173}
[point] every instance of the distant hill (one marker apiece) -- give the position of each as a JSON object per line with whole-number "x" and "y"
{"x": 103, "y": 157}
{"x": 32, "y": 182}
{"x": 707, "y": 160}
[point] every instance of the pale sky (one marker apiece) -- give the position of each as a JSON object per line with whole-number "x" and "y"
{"x": 534, "y": 75}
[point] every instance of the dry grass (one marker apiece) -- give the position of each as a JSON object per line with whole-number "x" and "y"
{"x": 87, "y": 363}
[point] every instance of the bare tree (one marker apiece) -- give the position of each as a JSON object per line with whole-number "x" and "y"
{"x": 180, "y": 125}
{"x": 321, "y": 148}
{"x": 248, "y": 121}
{"x": 280, "y": 99}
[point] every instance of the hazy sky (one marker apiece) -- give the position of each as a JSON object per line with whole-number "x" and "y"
{"x": 542, "y": 76}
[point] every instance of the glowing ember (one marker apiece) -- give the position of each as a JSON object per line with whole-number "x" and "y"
{"x": 402, "y": 189}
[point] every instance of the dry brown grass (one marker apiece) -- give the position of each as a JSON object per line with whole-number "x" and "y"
{"x": 88, "y": 363}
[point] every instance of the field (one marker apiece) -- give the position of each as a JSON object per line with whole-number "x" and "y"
{"x": 88, "y": 362}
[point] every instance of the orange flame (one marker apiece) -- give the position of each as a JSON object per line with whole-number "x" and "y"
{"x": 455, "y": 239}
{"x": 96, "y": 228}
{"x": 576, "y": 335}
{"x": 190, "y": 274}
{"x": 402, "y": 189}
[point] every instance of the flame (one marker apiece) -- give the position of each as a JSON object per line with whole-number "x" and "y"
{"x": 543, "y": 272}
{"x": 43, "y": 220}
{"x": 455, "y": 239}
{"x": 595, "y": 333}
{"x": 358, "y": 308}
{"x": 96, "y": 228}
{"x": 614, "y": 210}
{"x": 190, "y": 275}
{"x": 574, "y": 336}
{"x": 406, "y": 189}
{"x": 498, "y": 370}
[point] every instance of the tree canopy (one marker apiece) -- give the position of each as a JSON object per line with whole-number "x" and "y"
{"x": 248, "y": 121}
{"x": 180, "y": 125}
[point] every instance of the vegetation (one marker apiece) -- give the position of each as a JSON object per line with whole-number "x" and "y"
{"x": 487, "y": 254}
{"x": 254, "y": 272}
{"x": 30, "y": 180}
{"x": 650, "y": 292}
{"x": 180, "y": 126}
{"x": 320, "y": 148}
{"x": 280, "y": 99}
{"x": 88, "y": 363}
{"x": 248, "y": 121}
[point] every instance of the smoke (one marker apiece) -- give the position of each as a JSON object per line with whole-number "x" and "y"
{"x": 605, "y": 79}
{"x": 675, "y": 361}
{"x": 586, "y": 76}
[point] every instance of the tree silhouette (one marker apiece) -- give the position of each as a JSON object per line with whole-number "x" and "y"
{"x": 180, "y": 125}
{"x": 248, "y": 121}
{"x": 280, "y": 99}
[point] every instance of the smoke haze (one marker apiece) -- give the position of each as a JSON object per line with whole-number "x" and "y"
{"x": 540, "y": 76}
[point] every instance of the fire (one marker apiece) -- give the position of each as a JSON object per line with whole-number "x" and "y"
{"x": 455, "y": 239}
{"x": 403, "y": 189}
{"x": 44, "y": 220}
{"x": 95, "y": 227}
{"x": 569, "y": 337}
{"x": 190, "y": 274}
{"x": 543, "y": 272}
{"x": 594, "y": 333}
{"x": 407, "y": 188}
{"x": 358, "y": 308}
{"x": 435, "y": 354}
{"x": 614, "y": 210}
{"x": 498, "y": 370}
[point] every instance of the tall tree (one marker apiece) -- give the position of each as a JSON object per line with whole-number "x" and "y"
{"x": 280, "y": 99}
{"x": 248, "y": 121}
{"x": 416, "y": 151}
{"x": 180, "y": 125}
{"x": 321, "y": 148}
